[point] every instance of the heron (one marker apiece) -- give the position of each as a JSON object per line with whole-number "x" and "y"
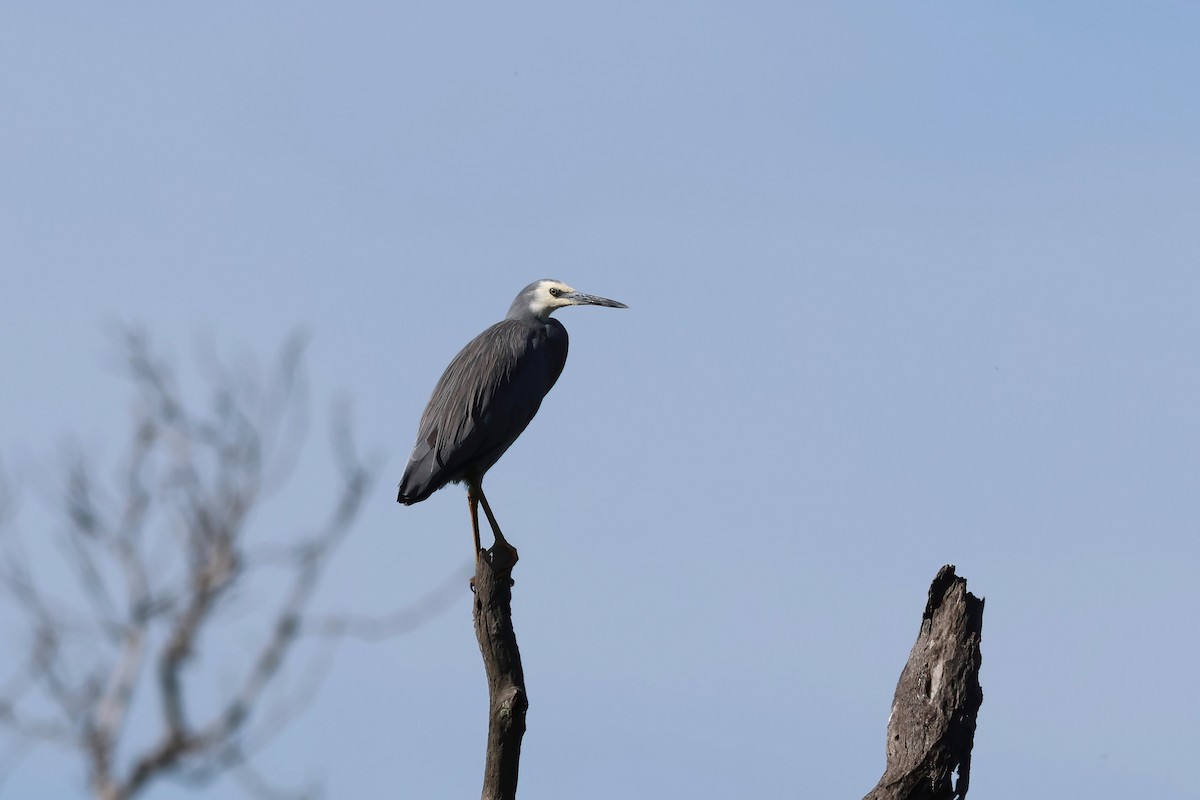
{"x": 488, "y": 395}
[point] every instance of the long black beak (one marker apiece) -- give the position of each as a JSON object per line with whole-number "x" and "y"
{"x": 581, "y": 299}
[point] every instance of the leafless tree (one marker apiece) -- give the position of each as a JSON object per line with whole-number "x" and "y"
{"x": 164, "y": 563}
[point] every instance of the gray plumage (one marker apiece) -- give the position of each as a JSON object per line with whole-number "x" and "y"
{"x": 490, "y": 393}
{"x": 485, "y": 399}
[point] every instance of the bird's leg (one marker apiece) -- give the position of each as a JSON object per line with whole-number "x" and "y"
{"x": 500, "y": 540}
{"x": 473, "y": 503}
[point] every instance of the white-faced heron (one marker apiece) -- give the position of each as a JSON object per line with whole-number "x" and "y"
{"x": 488, "y": 395}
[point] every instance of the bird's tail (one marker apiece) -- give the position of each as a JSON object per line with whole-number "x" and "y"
{"x": 407, "y": 496}
{"x": 413, "y": 489}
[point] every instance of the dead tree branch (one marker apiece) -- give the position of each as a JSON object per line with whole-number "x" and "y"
{"x": 931, "y": 730}
{"x": 507, "y": 701}
{"x": 159, "y": 556}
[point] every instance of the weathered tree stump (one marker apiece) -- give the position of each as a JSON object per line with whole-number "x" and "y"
{"x": 932, "y": 727}
{"x": 502, "y": 661}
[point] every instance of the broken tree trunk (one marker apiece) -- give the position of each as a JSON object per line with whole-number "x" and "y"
{"x": 502, "y": 661}
{"x": 932, "y": 726}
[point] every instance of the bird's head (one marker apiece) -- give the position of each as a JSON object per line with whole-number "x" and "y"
{"x": 541, "y": 298}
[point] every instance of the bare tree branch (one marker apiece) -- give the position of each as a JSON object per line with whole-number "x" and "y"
{"x": 256, "y": 785}
{"x": 931, "y": 730}
{"x": 507, "y": 701}
{"x": 406, "y": 620}
{"x": 156, "y": 557}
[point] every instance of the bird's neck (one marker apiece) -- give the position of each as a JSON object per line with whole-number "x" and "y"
{"x": 525, "y": 312}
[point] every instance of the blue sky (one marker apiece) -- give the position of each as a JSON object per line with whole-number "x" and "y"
{"x": 908, "y": 284}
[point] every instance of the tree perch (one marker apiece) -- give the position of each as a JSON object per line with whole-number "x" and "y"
{"x": 932, "y": 726}
{"x": 502, "y": 661}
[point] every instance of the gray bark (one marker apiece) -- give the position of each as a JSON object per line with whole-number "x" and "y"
{"x": 932, "y": 726}
{"x": 502, "y": 662}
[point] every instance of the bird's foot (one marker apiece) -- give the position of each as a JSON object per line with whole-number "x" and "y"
{"x": 503, "y": 555}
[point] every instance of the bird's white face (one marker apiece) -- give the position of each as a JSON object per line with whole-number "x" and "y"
{"x": 542, "y": 298}
{"x": 551, "y": 295}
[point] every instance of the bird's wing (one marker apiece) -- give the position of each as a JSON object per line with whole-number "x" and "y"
{"x": 486, "y": 397}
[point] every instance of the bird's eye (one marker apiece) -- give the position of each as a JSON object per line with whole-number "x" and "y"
{"x": 555, "y": 292}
